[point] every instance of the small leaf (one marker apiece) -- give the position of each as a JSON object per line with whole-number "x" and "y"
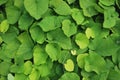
{"x": 4, "y": 26}
{"x": 68, "y": 28}
{"x": 62, "y": 40}
{"x": 69, "y": 76}
{"x": 81, "y": 60}
{"x": 3, "y": 2}
{"x": 34, "y": 75}
{"x": 61, "y": 7}
{"x": 77, "y": 15}
{"x": 53, "y": 50}
{"x": 69, "y": 65}
{"x": 107, "y": 3}
{"x": 37, "y": 34}
{"x": 110, "y": 16}
{"x": 81, "y": 40}
{"x": 25, "y": 21}
{"x": 10, "y": 77}
{"x": 20, "y": 77}
{"x": 13, "y": 14}
{"x": 48, "y": 23}
{"x": 39, "y": 55}
{"x": 36, "y": 8}
{"x": 88, "y": 7}
{"x": 27, "y": 67}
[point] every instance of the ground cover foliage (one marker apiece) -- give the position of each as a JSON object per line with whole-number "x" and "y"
{"x": 59, "y": 39}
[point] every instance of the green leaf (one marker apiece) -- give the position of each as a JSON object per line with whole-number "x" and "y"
{"x": 90, "y": 33}
{"x": 44, "y": 69}
{"x": 104, "y": 47}
{"x": 69, "y": 65}
{"x": 48, "y": 23}
{"x": 25, "y": 21}
{"x": 36, "y": 8}
{"x": 19, "y": 4}
{"x": 3, "y": 2}
{"x": 81, "y": 40}
{"x": 77, "y": 15}
{"x": 4, "y": 68}
{"x": 10, "y": 49}
{"x": 88, "y": 7}
{"x": 62, "y": 40}
{"x": 107, "y": 3}
{"x": 34, "y": 75}
{"x": 64, "y": 56}
{"x": 27, "y": 67}
{"x": 10, "y": 77}
{"x": 81, "y": 60}
{"x": 94, "y": 62}
{"x": 110, "y": 16}
{"x": 4, "y": 26}
{"x": 37, "y": 34}
{"x": 118, "y": 3}
{"x": 39, "y": 55}
{"x": 13, "y": 14}
{"x": 25, "y": 49}
{"x": 69, "y": 28}
{"x": 69, "y": 76}
{"x": 71, "y": 1}
{"x": 61, "y": 7}
{"x": 20, "y": 77}
{"x": 53, "y": 50}
{"x": 113, "y": 75}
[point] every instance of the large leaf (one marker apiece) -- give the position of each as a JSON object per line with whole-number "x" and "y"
{"x": 36, "y": 8}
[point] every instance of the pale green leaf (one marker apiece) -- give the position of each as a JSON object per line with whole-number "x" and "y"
{"x": 4, "y": 26}
{"x": 81, "y": 40}
{"x": 69, "y": 65}
{"x": 81, "y": 60}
